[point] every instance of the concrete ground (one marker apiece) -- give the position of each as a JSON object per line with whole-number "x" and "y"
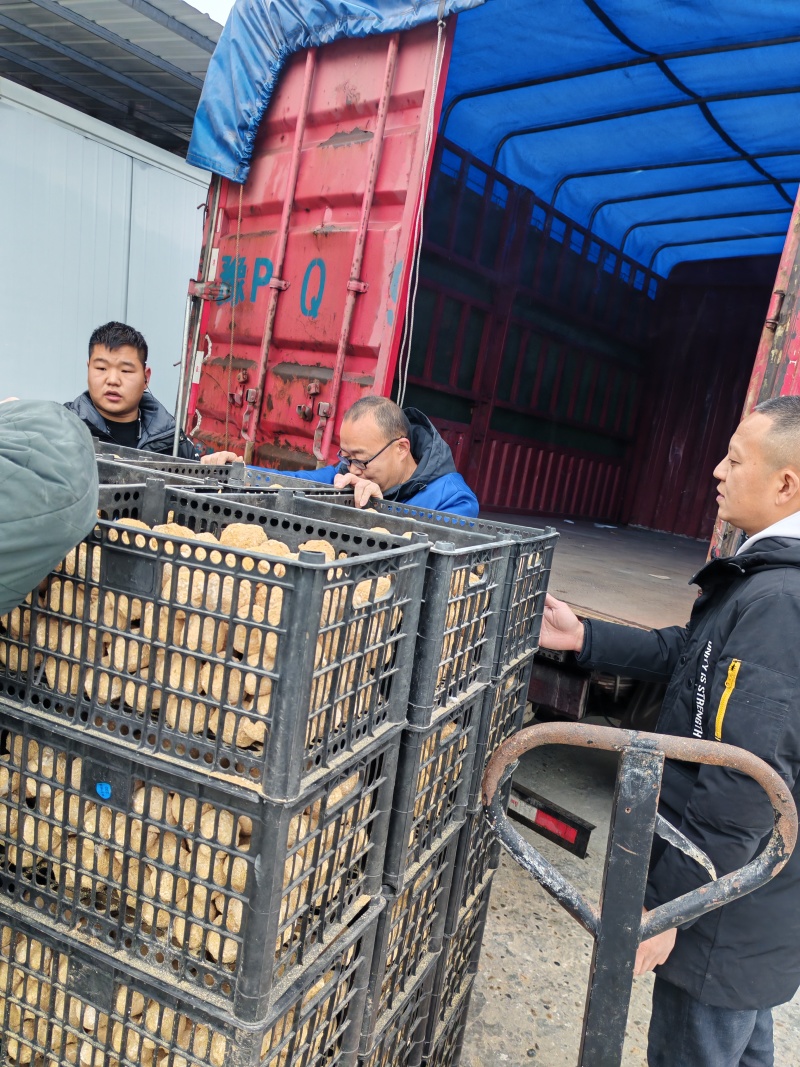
{"x": 528, "y": 1000}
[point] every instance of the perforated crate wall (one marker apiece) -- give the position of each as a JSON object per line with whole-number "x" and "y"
{"x": 225, "y": 892}
{"x": 449, "y": 1038}
{"x": 478, "y": 854}
{"x": 400, "y": 1040}
{"x": 459, "y": 958}
{"x": 503, "y": 712}
{"x": 409, "y": 931}
{"x": 434, "y": 775}
{"x": 63, "y": 1005}
{"x": 265, "y": 668}
{"x": 527, "y": 575}
{"x": 465, "y": 586}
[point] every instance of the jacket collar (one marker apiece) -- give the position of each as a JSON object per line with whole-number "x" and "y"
{"x": 156, "y": 421}
{"x": 787, "y": 527}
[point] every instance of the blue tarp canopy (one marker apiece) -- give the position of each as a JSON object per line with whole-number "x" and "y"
{"x": 670, "y": 129}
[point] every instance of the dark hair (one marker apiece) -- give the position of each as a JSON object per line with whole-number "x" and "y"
{"x": 116, "y": 335}
{"x": 784, "y": 435}
{"x": 388, "y": 415}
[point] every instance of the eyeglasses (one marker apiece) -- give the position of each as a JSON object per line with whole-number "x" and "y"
{"x": 362, "y": 464}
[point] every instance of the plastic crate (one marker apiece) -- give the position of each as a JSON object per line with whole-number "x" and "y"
{"x": 61, "y": 1004}
{"x": 459, "y": 958}
{"x": 433, "y": 780}
{"x": 477, "y": 855}
{"x": 462, "y": 601}
{"x": 409, "y": 931}
{"x": 503, "y": 713}
{"x": 266, "y": 669}
{"x": 448, "y": 1041}
{"x": 527, "y": 575}
{"x": 222, "y": 891}
{"x": 234, "y": 474}
{"x": 121, "y": 472}
{"x": 400, "y": 1040}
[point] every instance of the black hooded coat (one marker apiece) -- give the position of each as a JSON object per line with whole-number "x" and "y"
{"x": 734, "y": 676}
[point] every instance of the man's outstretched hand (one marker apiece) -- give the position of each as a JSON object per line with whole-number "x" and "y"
{"x": 562, "y": 630}
{"x": 364, "y": 490}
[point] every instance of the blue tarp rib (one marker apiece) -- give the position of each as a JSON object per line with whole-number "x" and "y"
{"x": 588, "y": 126}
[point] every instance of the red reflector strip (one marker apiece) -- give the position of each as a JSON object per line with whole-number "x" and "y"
{"x": 556, "y": 826}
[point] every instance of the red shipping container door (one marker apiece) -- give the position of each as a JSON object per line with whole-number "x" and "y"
{"x": 315, "y": 250}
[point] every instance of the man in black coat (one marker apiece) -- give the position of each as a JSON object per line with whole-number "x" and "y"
{"x": 118, "y": 405}
{"x": 734, "y": 676}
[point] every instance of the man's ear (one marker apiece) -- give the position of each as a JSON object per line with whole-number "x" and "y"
{"x": 789, "y": 488}
{"x": 404, "y": 446}
{"x": 146, "y": 376}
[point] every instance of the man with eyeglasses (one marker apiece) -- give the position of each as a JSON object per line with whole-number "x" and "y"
{"x": 387, "y": 452}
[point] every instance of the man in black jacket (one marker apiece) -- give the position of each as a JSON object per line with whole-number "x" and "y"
{"x": 734, "y": 676}
{"x": 118, "y": 405}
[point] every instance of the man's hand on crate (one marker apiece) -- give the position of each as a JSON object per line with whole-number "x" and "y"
{"x": 364, "y": 489}
{"x": 221, "y": 458}
{"x": 562, "y": 630}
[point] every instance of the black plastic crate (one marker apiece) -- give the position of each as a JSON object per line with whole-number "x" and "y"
{"x": 225, "y": 893}
{"x": 459, "y": 958}
{"x": 123, "y": 472}
{"x": 434, "y": 775}
{"x": 448, "y": 1041}
{"x": 63, "y": 1004}
{"x": 527, "y": 575}
{"x": 409, "y": 931}
{"x": 399, "y": 1041}
{"x": 462, "y": 600}
{"x": 503, "y": 713}
{"x": 263, "y": 667}
{"x": 477, "y": 855}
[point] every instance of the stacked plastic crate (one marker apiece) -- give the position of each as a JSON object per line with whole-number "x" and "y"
{"x": 478, "y": 630}
{"x": 198, "y": 750}
{"x": 478, "y": 852}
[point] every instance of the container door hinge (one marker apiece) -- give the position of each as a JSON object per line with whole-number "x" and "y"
{"x": 774, "y": 310}
{"x": 218, "y": 291}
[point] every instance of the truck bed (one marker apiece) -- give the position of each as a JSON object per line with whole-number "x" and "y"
{"x": 624, "y": 574}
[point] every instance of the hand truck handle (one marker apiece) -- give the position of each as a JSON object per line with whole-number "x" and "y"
{"x": 685, "y": 908}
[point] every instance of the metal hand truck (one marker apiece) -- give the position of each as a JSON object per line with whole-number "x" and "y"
{"x": 618, "y": 925}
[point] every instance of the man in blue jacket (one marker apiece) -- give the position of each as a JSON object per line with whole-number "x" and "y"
{"x": 387, "y": 452}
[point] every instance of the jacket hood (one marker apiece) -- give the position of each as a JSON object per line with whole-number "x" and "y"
{"x": 429, "y": 449}
{"x": 784, "y": 528}
{"x": 432, "y": 453}
{"x": 48, "y": 481}
{"x": 765, "y": 553}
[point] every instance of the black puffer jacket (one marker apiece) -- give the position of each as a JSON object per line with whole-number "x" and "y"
{"x": 734, "y": 676}
{"x": 158, "y": 426}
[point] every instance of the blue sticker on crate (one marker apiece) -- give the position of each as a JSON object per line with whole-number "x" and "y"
{"x": 103, "y": 790}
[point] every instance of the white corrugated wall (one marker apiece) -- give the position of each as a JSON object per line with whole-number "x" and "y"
{"x": 94, "y": 225}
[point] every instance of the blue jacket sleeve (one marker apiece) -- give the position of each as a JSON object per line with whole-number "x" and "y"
{"x": 325, "y": 475}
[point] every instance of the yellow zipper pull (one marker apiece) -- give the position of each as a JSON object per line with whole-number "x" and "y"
{"x": 730, "y": 685}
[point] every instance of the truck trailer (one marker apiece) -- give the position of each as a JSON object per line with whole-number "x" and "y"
{"x": 565, "y": 249}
